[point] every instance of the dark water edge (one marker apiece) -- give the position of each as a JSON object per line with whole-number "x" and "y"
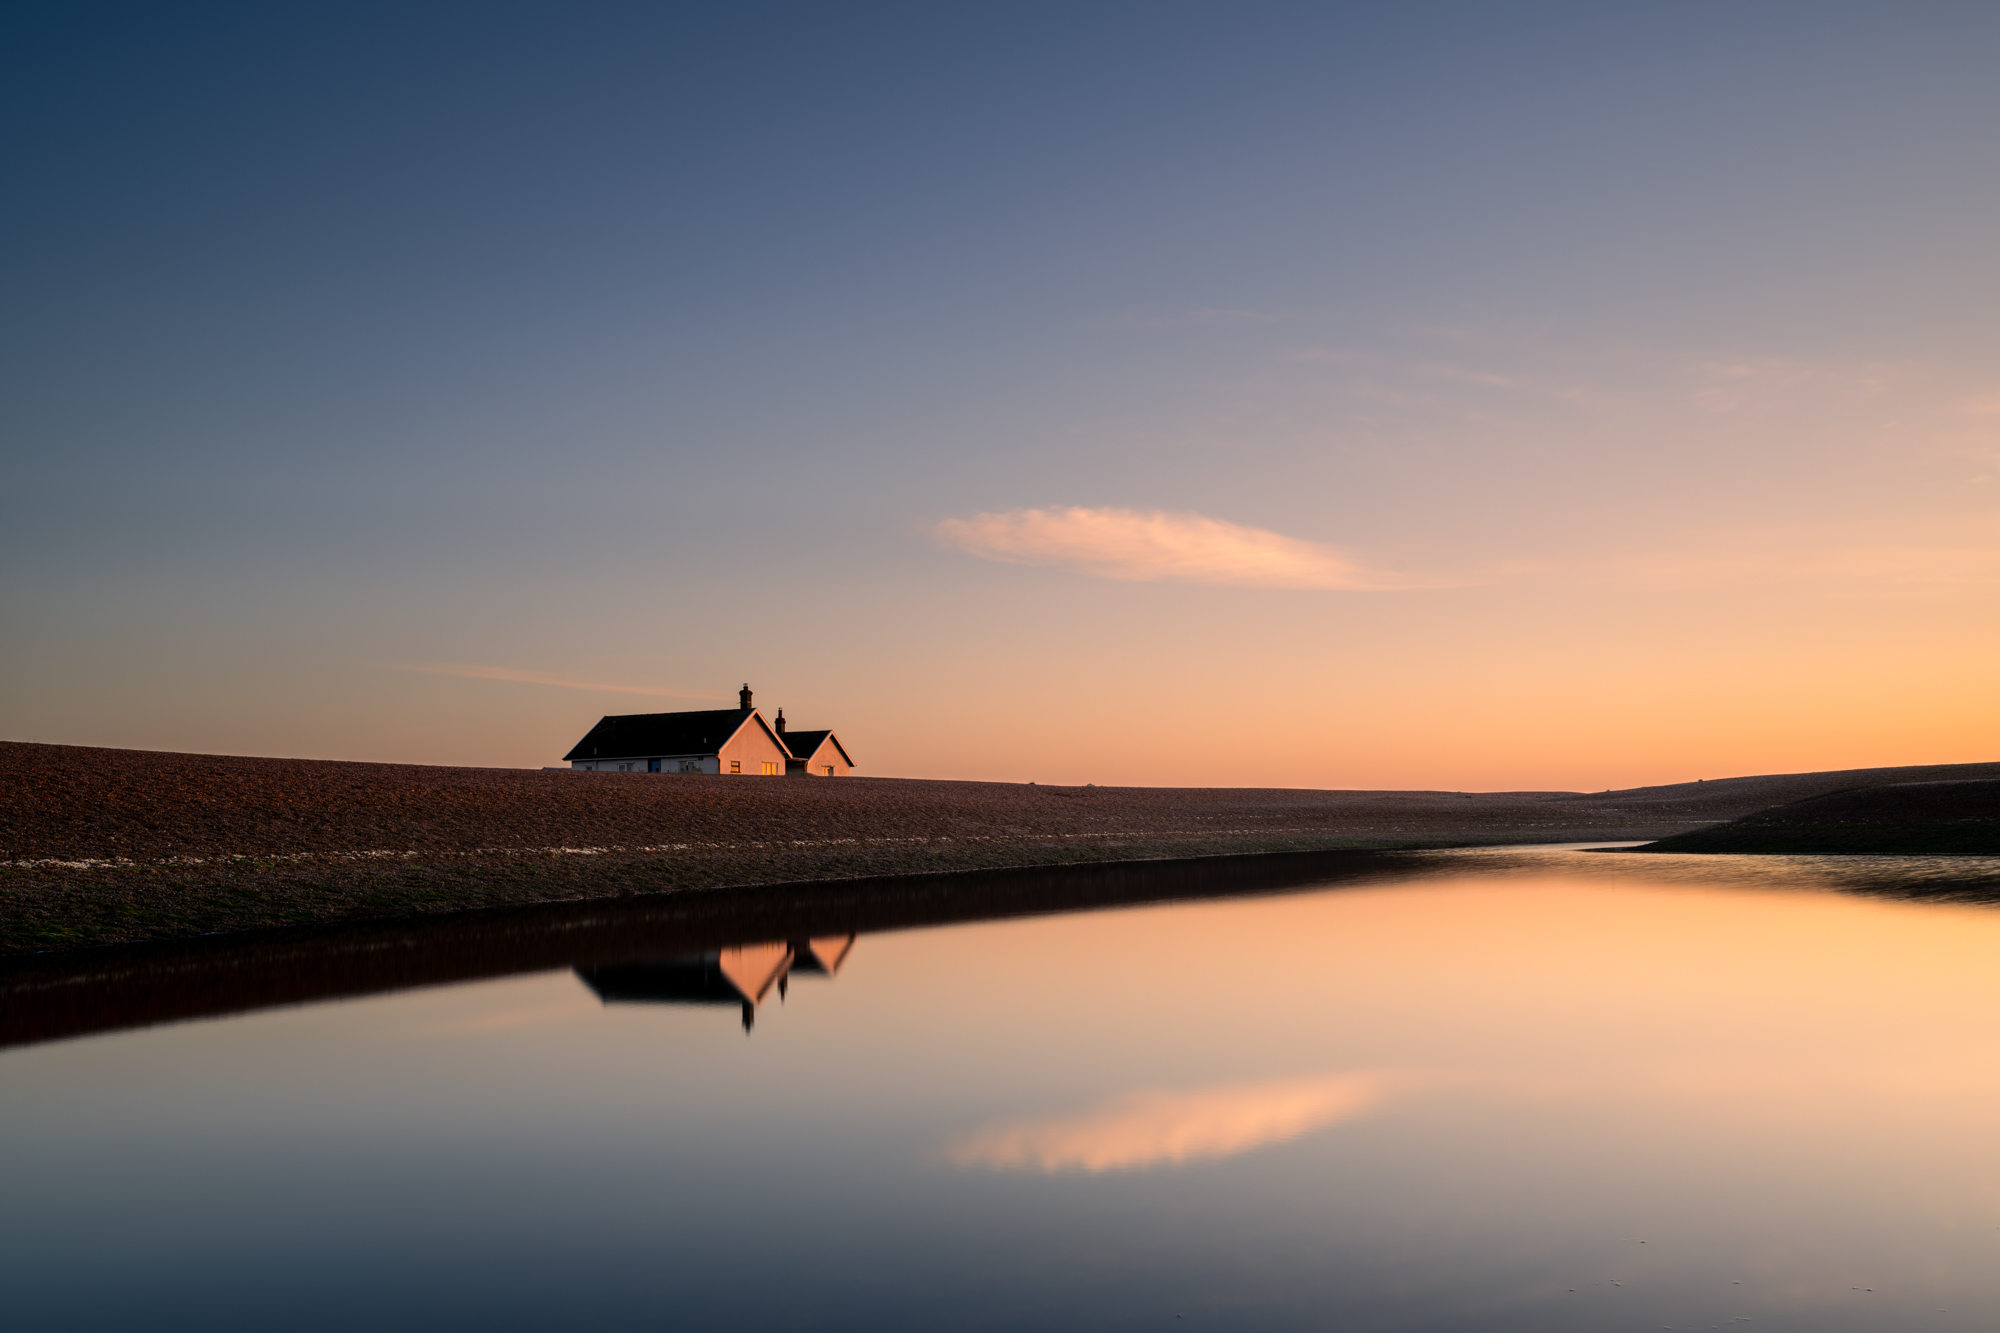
{"x": 1961, "y": 878}
{"x": 1895, "y": 819}
{"x": 50, "y": 906}
{"x": 72, "y": 993}
{"x": 1962, "y": 838}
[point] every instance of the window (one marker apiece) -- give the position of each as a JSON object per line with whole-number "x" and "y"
{"x": 829, "y": 770}
{"x": 652, "y": 765}
{"x": 690, "y": 766}
{"x": 736, "y": 766}
{"x": 770, "y": 769}
{"x": 624, "y": 768}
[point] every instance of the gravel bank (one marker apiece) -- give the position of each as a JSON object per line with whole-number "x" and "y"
{"x": 105, "y": 846}
{"x": 1900, "y": 819}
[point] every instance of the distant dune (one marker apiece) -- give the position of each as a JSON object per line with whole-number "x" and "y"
{"x": 108, "y": 845}
{"x": 1893, "y": 819}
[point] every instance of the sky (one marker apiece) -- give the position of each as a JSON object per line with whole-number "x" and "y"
{"x": 1419, "y": 396}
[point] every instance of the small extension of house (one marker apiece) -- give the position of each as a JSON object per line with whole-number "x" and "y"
{"x": 720, "y": 740}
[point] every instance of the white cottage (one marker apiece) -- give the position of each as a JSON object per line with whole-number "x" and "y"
{"x": 814, "y": 754}
{"x": 722, "y": 740}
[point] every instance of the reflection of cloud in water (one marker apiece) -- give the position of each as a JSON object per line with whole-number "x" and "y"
{"x": 1143, "y": 1129}
{"x": 1163, "y": 1128}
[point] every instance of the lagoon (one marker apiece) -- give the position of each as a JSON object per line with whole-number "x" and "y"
{"x": 1524, "y": 1088}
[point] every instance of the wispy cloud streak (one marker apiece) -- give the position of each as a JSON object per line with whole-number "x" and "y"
{"x": 1205, "y": 316}
{"x": 1856, "y": 566}
{"x": 1429, "y": 370}
{"x": 472, "y": 672}
{"x": 1151, "y": 544}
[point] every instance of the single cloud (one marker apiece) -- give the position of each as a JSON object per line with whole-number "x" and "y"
{"x": 1146, "y": 1129}
{"x": 537, "y": 678}
{"x": 1138, "y": 545}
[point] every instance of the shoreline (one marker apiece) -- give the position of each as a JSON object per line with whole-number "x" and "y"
{"x": 52, "y": 995}
{"x": 101, "y": 847}
{"x": 63, "y": 909}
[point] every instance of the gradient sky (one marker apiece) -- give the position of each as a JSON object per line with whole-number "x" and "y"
{"x": 1455, "y": 396}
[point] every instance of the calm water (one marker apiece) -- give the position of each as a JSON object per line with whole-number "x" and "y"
{"x": 1513, "y": 1090}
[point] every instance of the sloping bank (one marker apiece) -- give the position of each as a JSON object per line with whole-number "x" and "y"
{"x": 1896, "y": 819}
{"x": 103, "y": 846}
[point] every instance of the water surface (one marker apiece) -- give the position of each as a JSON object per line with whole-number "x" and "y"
{"x": 1550, "y": 1089}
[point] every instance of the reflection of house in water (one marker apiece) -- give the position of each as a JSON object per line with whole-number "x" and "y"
{"x": 743, "y": 975}
{"x": 823, "y": 956}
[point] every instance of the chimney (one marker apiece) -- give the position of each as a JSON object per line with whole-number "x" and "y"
{"x": 781, "y": 721}
{"x": 743, "y": 699}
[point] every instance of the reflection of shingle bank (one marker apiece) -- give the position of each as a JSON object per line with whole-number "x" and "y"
{"x": 743, "y": 975}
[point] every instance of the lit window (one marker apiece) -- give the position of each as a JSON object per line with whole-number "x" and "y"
{"x": 736, "y": 766}
{"x": 829, "y": 770}
{"x": 652, "y": 765}
{"x": 770, "y": 769}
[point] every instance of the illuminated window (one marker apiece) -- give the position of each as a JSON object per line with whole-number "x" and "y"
{"x": 829, "y": 770}
{"x": 652, "y": 765}
{"x": 736, "y": 766}
{"x": 770, "y": 769}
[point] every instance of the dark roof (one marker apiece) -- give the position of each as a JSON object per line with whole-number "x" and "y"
{"x": 671, "y": 981}
{"x": 803, "y": 743}
{"x": 639, "y": 735}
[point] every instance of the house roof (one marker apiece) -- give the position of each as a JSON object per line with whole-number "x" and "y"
{"x": 802, "y": 744}
{"x": 636, "y": 735}
{"x": 742, "y": 971}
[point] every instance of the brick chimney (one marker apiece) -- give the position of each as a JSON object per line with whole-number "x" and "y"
{"x": 781, "y": 721}
{"x": 743, "y": 698}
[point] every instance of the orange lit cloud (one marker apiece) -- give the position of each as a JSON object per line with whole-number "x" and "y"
{"x": 1146, "y": 1129}
{"x": 1142, "y": 545}
{"x": 537, "y": 678}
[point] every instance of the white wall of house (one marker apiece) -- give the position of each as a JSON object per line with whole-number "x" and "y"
{"x": 672, "y": 763}
{"x": 753, "y": 752}
{"x": 828, "y": 754}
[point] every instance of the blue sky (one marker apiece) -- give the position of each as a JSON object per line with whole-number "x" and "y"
{"x": 650, "y": 346}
